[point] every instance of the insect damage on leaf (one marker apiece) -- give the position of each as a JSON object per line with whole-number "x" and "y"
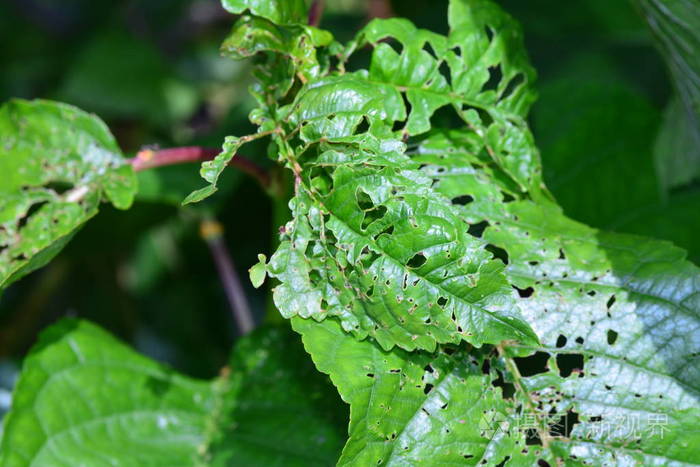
{"x": 58, "y": 163}
{"x": 410, "y": 237}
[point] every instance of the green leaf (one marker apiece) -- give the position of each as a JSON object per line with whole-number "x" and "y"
{"x": 617, "y": 316}
{"x": 83, "y": 398}
{"x": 370, "y": 241}
{"x": 277, "y": 11}
{"x": 211, "y": 170}
{"x": 615, "y": 380}
{"x": 253, "y": 35}
{"x": 480, "y": 69}
{"x": 676, "y": 26}
{"x": 412, "y": 408}
{"x": 677, "y": 148}
{"x": 674, "y": 219}
{"x": 58, "y": 164}
{"x": 412, "y": 244}
{"x": 381, "y": 251}
{"x": 125, "y": 409}
{"x": 258, "y": 272}
{"x": 277, "y": 409}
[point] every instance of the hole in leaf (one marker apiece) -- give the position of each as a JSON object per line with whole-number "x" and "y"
{"x": 429, "y": 49}
{"x": 373, "y": 215}
{"x": 445, "y": 71}
{"x": 498, "y": 253}
{"x": 364, "y": 201}
{"x": 507, "y": 197}
{"x": 611, "y": 302}
{"x": 561, "y": 341}
{"x": 524, "y": 293}
{"x": 579, "y": 340}
{"x": 428, "y": 387}
{"x": 388, "y": 231}
{"x": 495, "y": 77}
{"x": 484, "y": 116}
{"x": 477, "y": 230}
{"x": 568, "y": 362}
{"x": 612, "y": 336}
{"x": 532, "y": 365}
{"x": 442, "y": 301}
{"x": 489, "y": 33}
{"x": 508, "y": 389}
{"x": 363, "y": 126}
{"x": 33, "y": 209}
{"x": 462, "y": 200}
{"x": 417, "y": 261}
{"x": 532, "y": 437}
{"x": 512, "y": 85}
{"x": 562, "y": 428}
{"x": 60, "y": 188}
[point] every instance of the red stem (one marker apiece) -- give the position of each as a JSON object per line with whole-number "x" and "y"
{"x": 150, "y": 158}
{"x": 315, "y": 13}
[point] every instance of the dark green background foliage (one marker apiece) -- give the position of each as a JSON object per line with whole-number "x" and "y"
{"x": 619, "y": 139}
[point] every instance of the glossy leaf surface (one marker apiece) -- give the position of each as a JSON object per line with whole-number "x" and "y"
{"x": 371, "y": 242}
{"x": 125, "y": 409}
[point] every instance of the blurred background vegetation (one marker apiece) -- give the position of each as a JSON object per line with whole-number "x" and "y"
{"x": 606, "y": 123}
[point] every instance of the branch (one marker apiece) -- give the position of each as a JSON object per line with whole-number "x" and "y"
{"x": 212, "y": 232}
{"x": 315, "y": 13}
{"x": 150, "y": 158}
{"x": 379, "y": 9}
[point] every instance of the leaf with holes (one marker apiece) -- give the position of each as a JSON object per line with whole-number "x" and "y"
{"x": 414, "y": 408}
{"x": 371, "y": 242}
{"x": 125, "y": 409}
{"x": 58, "y": 163}
{"x": 618, "y": 318}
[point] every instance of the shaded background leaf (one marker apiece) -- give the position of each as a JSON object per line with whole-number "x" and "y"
{"x": 126, "y": 409}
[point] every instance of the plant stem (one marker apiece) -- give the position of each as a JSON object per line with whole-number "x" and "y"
{"x": 150, "y": 158}
{"x": 379, "y": 9}
{"x": 212, "y": 232}
{"x": 316, "y": 13}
